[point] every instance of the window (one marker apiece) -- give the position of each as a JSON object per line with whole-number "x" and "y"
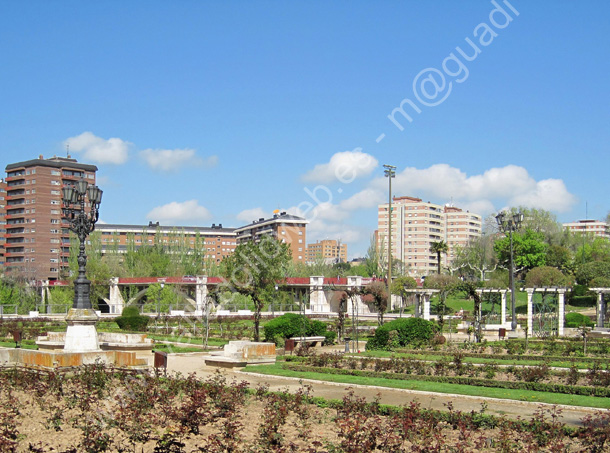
{"x": 55, "y": 172}
{"x": 55, "y": 221}
{"x": 55, "y": 183}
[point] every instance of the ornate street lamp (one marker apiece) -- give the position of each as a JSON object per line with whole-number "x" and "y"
{"x": 509, "y": 224}
{"x": 81, "y": 334}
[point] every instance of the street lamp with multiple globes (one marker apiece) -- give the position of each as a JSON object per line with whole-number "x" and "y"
{"x": 81, "y": 334}
{"x": 389, "y": 172}
{"x": 509, "y": 224}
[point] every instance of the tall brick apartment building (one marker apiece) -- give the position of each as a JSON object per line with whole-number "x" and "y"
{"x": 416, "y": 224}
{"x": 287, "y": 228}
{"x": 37, "y": 241}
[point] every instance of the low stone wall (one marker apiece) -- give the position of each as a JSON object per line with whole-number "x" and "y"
{"x": 51, "y": 359}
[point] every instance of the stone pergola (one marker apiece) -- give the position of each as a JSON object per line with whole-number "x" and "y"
{"x": 601, "y": 306}
{"x": 560, "y": 306}
{"x": 502, "y": 293}
{"x": 422, "y": 301}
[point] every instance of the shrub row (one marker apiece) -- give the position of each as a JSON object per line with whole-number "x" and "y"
{"x": 602, "y": 392}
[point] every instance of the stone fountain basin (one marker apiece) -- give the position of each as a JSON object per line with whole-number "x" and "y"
{"x": 108, "y": 341}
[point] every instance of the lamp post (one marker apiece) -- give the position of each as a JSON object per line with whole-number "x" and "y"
{"x": 390, "y": 173}
{"x": 81, "y": 334}
{"x": 509, "y": 224}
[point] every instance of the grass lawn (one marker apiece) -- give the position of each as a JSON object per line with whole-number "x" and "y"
{"x": 519, "y": 395}
{"x": 25, "y": 344}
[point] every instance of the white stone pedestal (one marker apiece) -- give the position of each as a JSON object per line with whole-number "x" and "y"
{"x": 81, "y": 335}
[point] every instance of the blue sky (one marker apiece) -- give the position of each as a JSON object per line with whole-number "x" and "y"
{"x": 200, "y": 112}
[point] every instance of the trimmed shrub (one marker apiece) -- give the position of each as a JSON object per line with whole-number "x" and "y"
{"x": 131, "y": 319}
{"x": 403, "y": 332}
{"x": 293, "y": 325}
{"x": 577, "y": 320}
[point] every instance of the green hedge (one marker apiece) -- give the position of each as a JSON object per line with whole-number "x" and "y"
{"x": 131, "y": 319}
{"x": 293, "y": 325}
{"x": 602, "y": 392}
{"x": 578, "y": 320}
{"x": 403, "y": 332}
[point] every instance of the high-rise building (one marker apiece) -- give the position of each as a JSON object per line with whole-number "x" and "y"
{"x": 2, "y": 221}
{"x": 287, "y": 228}
{"x": 594, "y": 227}
{"x": 37, "y": 240}
{"x": 330, "y": 250}
{"x": 416, "y": 225}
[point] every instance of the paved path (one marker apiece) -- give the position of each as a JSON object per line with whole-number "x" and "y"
{"x": 193, "y": 363}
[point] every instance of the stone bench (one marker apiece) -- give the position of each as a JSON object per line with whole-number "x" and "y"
{"x": 309, "y": 341}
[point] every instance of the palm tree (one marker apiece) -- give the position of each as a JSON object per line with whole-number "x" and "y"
{"x": 438, "y": 248}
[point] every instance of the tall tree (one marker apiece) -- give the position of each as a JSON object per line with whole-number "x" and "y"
{"x": 477, "y": 255}
{"x": 438, "y": 248}
{"x": 254, "y": 269}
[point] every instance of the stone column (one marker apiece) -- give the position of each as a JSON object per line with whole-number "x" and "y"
{"x": 116, "y": 299}
{"x": 426, "y": 314}
{"x": 318, "y": 298}
{"x": 562, "y": 309}
{"x": 601, "y": 310}
{"x": 201, "y": 294}
{"x": 530, "y": 311}
{"x": 503, "y": 307}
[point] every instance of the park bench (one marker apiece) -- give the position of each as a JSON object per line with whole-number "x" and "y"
{"x": 309, "y": 341}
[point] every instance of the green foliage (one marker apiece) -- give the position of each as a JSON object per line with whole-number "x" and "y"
{"x": 586, "y": 273}
{"x": 578, "y": 320}
{"x": 546, "y": 276}
{"x": 130, "y": 311}
{"x": 529, "y": 250}
{"x": 293, "y": 325}
{"x": 131, "y": 319}
{"x": 403, "y": 332}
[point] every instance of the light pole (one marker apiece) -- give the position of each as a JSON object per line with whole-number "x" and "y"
{"x": 81, "y": 334}
{"x": 509, "y": 224}
{"x": 390, "y": 173}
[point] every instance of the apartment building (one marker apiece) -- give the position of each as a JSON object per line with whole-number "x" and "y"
{"x": 330, "y": 250}
{"x": 287, "y": 228}
{"x": 37, "y": 240}
{"x": 461, "y": 227}
{"x": 218, "y": 242}
{"x": 2, "y": 221}
{"x": 588, "y": 226}
{"x": 416, "y": 224}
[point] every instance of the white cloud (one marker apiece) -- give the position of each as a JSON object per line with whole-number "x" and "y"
{"x": 512, "y": 185}
{"x": 179, "y": 212}
{"x": 549, "y": 194}
{"x": 365, "y": 199}
{"x": 98, "y": 150}
{"x": 343, "y": 167}
{"x": 248, "y": 215}
{"x": 174, "y": 159}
